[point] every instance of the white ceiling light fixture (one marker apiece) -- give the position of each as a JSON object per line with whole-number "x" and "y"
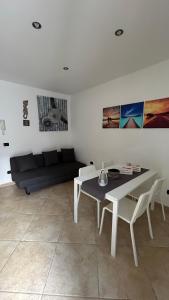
{"x": 66, "y": 68}
{"x": 119, "y": 32}
{"x": 36, "y": 25}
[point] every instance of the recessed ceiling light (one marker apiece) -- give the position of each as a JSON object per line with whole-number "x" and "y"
{"x": 36, "y": 25}
{"x": 119, "y": 32}
{"x": 65, "y": 68}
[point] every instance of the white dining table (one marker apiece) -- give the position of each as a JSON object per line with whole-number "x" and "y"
{"x": 113, "y": 196}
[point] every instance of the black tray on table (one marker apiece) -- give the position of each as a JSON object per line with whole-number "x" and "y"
{"x": 114, "y": 173}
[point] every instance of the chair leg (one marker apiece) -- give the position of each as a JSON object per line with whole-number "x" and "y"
{"x": 77, "y": 192}
{"x": 102, "y": 220}
{"x": 163, "y": 212}
{"x": 134, "y": 245}
{"x": 75, "y": 202}
{"x": 98, "y": 214}
{"x": 149, "y": 224}
{"x": 152, "y": 204}
{"x": 133, "y": 198}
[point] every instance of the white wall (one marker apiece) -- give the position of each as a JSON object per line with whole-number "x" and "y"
{"x": 148, "y": 147}
{"x": 25, "y": 139}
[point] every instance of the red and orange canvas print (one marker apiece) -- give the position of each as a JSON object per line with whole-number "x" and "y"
{"x": 111, "y": 117}
{"x": 156, "y": 113}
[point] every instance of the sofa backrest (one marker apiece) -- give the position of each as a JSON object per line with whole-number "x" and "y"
{"x": 14, "y": 168}
{"x": 39, "y": 158}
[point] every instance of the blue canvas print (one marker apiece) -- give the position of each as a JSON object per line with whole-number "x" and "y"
{"x": 132, "y": 115}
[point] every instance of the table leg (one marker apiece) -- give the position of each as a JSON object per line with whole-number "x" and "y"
{"x": 76, "y": 200}
{"x": 114, "y": 228}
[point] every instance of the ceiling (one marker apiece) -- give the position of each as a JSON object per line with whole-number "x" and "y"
{"x": 80, "y": 34}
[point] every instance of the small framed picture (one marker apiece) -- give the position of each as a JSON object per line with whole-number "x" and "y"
{"x": 26, "y": 123}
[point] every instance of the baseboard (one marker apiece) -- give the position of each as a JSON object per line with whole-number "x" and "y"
{"x": 2, "y": 185}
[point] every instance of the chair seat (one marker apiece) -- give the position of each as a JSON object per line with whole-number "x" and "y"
{"x": 126, "y": 209}
{"x": 137, "y": 192}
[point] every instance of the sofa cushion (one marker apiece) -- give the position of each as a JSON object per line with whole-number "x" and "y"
{"x": 68, "y": 155}
{"x": 39, "y": 158}
{"x": 60, "y": 156}
{"x": 51, "y": 158}
{"x": 13, "y": 164}
{"x": 25, "y": 162}
{"x": 50, "y": 173}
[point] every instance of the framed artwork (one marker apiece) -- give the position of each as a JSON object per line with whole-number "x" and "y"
{"x": 52, "y": 114}
{"x": 111, "y": 117}
{"x": 156, "y": 113}
{"x": 26, "y": 122}
{"x": 132, "y": 115}
{"x": 2, "y": 126}
{"x": 25, "y": 109}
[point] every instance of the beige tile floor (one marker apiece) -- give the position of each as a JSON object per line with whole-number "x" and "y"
{"x": 45, "y": 256}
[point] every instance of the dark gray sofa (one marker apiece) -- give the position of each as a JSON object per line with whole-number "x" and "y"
{"x": 43, "y": 176}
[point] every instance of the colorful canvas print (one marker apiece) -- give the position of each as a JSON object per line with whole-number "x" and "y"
{"x": 111, "y": 117}
{"x": 52, "y": 114}
{"x": 132, "y": 115}
{"x": 156, "y": 113}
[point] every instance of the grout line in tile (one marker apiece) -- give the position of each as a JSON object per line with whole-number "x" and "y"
{"x": 10, "y": 255}
{"x": 71, "y": 243}
{"x": 35, "y": 214}
{"x": 53, "y": 242}
{"x": 33, "y": 217}
{"x": 10, "y": 240}
{"x": 84, "y": 243}
{"x": 98, "y": 282}
{"x": 85, "y": 297}
{"x": 61, "y": 228}
{"x": 24, "y": 293}
{"x": 52, "y": 259}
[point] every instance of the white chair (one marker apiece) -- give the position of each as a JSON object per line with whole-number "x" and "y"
{"x": 85, "y": 172}
{"x": 130, "y": 211}
{"x": 155, "y": 192}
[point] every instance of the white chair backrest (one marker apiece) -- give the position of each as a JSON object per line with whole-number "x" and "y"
{"x": 85, "y": 171}
{"x": 141, "y": 206}
{"x": 156, "y": 188}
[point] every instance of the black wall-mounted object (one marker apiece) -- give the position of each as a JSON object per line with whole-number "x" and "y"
{"x": 26, "y": 123}
{"x": 6, "y": 144}
{"x": 168, "y": 192}
{"x": 91, "y": 162}
{"x": 9, "y": 172}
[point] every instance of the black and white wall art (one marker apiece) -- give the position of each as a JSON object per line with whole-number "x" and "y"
{"x": 26, "y": 122}
{"x": 52, "y": 114}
